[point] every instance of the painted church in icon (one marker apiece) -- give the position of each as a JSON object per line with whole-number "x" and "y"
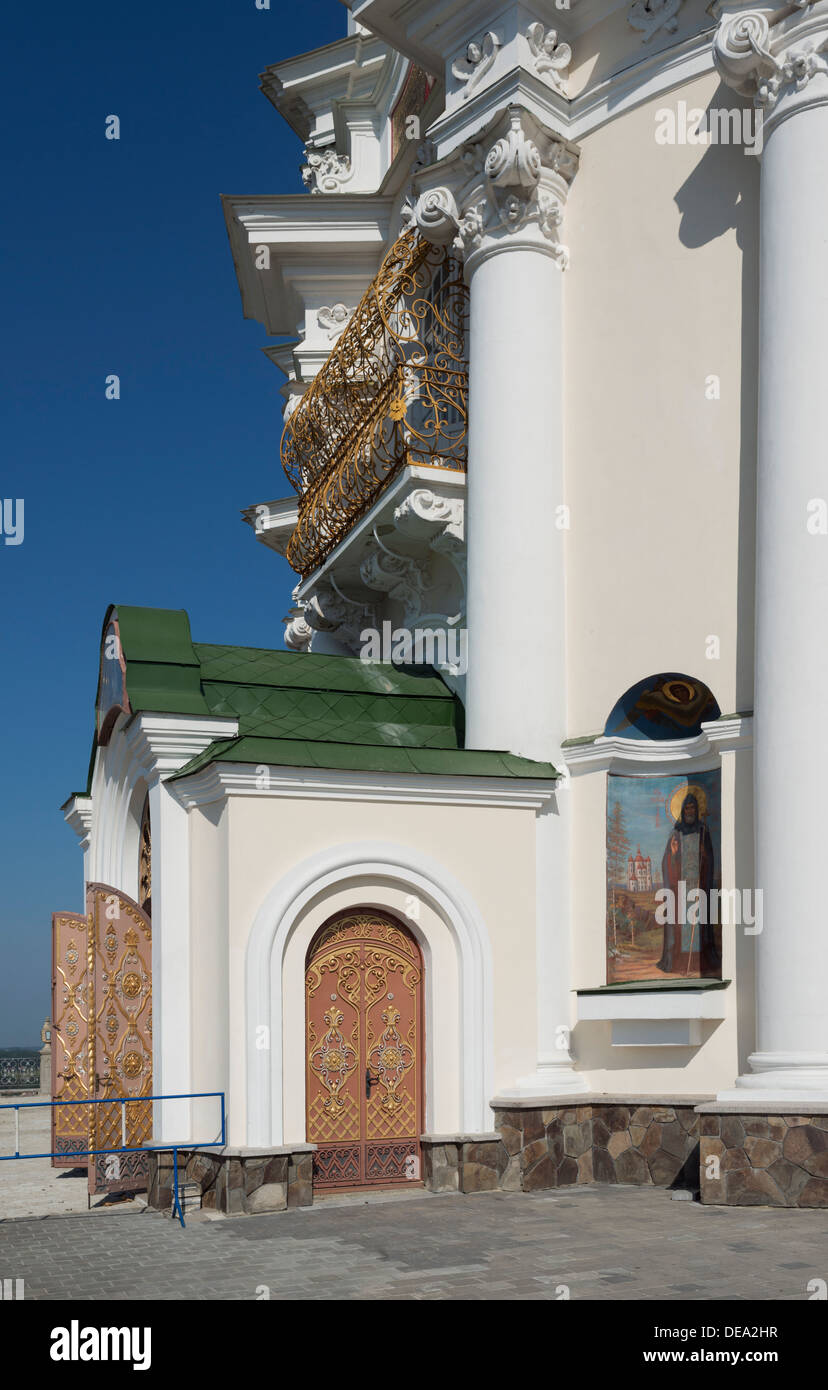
{"x": 391, "y": 890}
{"x": 639, "y": 873}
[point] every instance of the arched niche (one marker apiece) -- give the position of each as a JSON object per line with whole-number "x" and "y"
{"x": 668, "y": 705}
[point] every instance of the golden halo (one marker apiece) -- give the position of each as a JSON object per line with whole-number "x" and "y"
{"x": 675, "y": 801}
{"x": 670, "y": 688}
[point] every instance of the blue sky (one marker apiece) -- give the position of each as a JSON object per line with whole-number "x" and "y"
{"x": 116, "y": 260}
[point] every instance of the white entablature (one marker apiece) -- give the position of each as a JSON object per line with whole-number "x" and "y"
{"x": 338, "y": 100}
{"x": 574, "y": 56}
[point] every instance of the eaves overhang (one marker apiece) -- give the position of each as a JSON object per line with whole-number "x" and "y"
{"x": 305, "y": 238}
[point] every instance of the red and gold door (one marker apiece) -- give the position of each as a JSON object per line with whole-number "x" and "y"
{"x": 364, "y": 1052}
{"x": 70, "y": 1038}
{"x": 120, "y": 1037}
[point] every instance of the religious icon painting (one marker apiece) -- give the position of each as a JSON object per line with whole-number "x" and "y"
{"x": 663, "y": 877}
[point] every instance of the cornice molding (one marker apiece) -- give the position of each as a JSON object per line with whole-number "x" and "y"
{"x": 162, "y": 743}
{"x": 77, "y": 812}
{"x": 782, "y": 64}
{"x": 504, "y": 191}
{"x": 222, "y": 780}
{"x": 274, "y": 522}
{"x": 338, "y": 99}
{"x": 604, "y": 754}
{"x": 653, "y": 76}
{"x": 293, "y": 253}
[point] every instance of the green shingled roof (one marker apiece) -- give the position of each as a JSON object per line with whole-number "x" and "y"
{"x": 297, "y": 709}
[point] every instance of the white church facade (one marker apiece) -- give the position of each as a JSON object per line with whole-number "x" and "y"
{"x": 478, "y": 883}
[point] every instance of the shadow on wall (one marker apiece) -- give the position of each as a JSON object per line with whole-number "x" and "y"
{"x": 722, "y": 194}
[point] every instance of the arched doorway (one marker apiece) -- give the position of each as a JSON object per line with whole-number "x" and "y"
{"x": 364, "y": 1051}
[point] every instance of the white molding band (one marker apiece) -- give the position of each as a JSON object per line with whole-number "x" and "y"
{"x": 639, "y": 755}
{"x": 653, "y": 1004}
{"x": 276, "y": 921}
{"x": 220, "y": 780}
{"x": 654, "y": 76}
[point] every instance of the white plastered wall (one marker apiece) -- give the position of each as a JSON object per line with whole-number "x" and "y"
{"x": 209, "y": 961}
{"x": 660, "y": 295}
{"x": 286, "y": 866}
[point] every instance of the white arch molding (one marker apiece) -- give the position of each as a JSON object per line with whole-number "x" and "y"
{"x": 376, "y": 864}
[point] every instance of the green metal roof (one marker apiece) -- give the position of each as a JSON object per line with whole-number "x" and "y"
{"x": 329, "y": 699}
{"x": 297, "y": 709}
{"x": 351, "y": 757}
{"x": 163, "y": 671}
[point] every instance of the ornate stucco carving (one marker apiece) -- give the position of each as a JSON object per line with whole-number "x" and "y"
{"x": 402, "y": 577}
{"x": 425, "y": 515}
{"x": 767, "y": 62}
{"x": 472, "y": 67}
{"x": 298, "y": 631}
{"x": 429, "y": 525}
{"x": 550, "y": 59}
{"x": 329, "y": 610}
{"x": 516, "y": 181}
{"x": 649, "y": 16}
{"x": 325, "y": 171}
{"x": 291, "y": 403}
{"x": 333, "y": 318}
{"x": 514, "y": 160}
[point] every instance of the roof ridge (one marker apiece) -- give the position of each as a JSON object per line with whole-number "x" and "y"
{"x": 326, "y": 689}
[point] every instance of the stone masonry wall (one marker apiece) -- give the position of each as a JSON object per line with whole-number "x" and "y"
{"x": 470, "y": 1163}
{"x": 236, "y": 1182}
{"x": 764, "y": 1160}
{"x": 562, "y": 1146}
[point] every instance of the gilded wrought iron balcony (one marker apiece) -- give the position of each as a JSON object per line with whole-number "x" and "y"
{"x": 392, "y": 393}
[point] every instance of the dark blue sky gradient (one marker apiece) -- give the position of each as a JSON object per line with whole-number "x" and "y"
{"x": 116, "y": 260}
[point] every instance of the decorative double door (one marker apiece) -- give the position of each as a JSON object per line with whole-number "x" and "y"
{"x": 364, "y": 1052}
{"x": 102, "y": 1038}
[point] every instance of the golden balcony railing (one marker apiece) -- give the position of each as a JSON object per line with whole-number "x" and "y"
{"x": 393, "y": 392}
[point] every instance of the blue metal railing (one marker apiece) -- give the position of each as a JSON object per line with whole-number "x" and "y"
{"x": 123, "y": 1101}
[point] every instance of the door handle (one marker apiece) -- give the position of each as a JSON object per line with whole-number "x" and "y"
{"x": 369, "y": 1082}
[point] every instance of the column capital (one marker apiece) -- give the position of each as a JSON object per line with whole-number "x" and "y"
{"x": 781, "y": 63}
{"x": 504, "y": 191}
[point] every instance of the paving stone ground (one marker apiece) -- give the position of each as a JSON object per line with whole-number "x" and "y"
{"x": 31, "y": 1186}
{"x": 606, "y": 1243}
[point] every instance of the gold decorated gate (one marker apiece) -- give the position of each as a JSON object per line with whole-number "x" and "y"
{"x": 70, "y": 1038}
{"x": 102, "y": 1008}
{"x": 364, "y": 1052}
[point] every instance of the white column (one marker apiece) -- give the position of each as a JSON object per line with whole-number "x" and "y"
{"x": 516, "y": 679}
{"x": 166, "y": 743}
{"x": 788, "y": 74}
{"x": 502, "y": 203}
{"x": 172, "y": 996}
